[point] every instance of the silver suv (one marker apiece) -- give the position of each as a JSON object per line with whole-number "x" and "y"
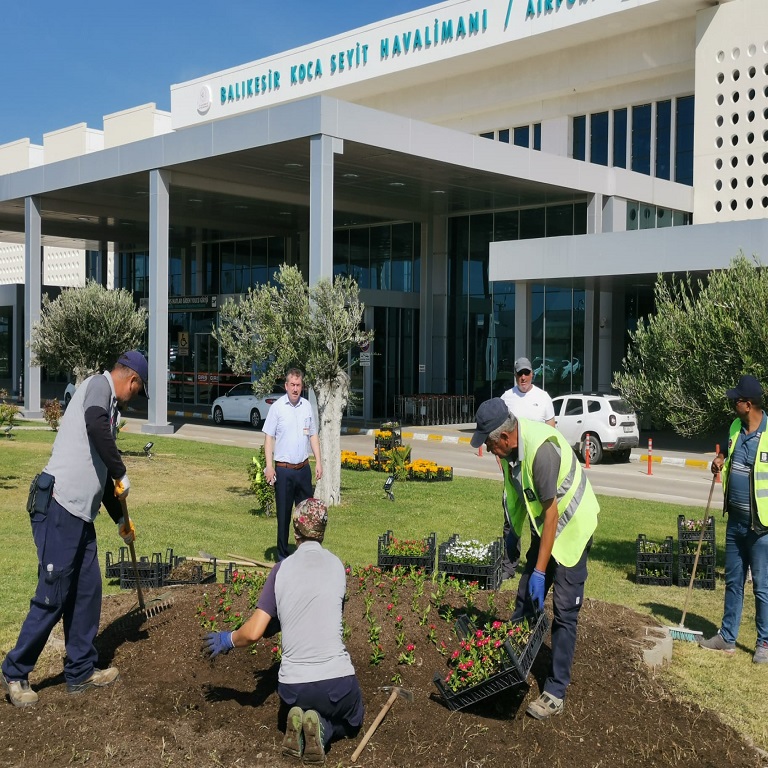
{"x": 599, "y": 424}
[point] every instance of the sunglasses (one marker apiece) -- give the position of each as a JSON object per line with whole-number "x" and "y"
{"x": 524, "y": 372}
{"x": 740, "y": 400}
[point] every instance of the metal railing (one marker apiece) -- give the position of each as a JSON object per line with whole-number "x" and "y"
{"x": 423, "y": 410}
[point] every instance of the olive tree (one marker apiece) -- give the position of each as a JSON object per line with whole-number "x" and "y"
{"x": 86, "y": 329}
{"x": 702, "y": 336}
{"x": 288, "y": 323}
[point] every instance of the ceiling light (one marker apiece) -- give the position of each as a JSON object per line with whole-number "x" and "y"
{"x": 350, "y": 175}
{"x": 396, "y": 184}
{"x": 83, "y": 218}
{"x": 285, "y": 213}
{"x": 194, "y": 200}
{"x": 437, "y": 192}
{"x": 294, "y": 165}
{"x": 142, "y": 192}
{"x": 241, "y": 207}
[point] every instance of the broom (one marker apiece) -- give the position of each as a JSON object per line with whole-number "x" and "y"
{"x": 681, "y": 632}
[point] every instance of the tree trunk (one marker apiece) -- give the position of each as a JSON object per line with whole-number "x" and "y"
{"x": 332, "y": 398}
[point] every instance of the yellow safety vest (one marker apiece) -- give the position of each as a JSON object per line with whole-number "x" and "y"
{"x": 759, "y": 484}
{"x": 577, "y": 507}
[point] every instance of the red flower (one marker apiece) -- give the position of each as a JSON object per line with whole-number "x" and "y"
{"x": 390, "y": 606}
{"x": 410, "y": 647}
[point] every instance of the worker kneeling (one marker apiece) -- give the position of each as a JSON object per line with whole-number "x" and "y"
{"x": 316, "y": 682}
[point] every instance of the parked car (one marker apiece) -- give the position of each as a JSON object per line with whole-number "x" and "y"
{"x": 599, "y": 424}
{"x": 240, "y": 404}
{"x": 68, "y": 392}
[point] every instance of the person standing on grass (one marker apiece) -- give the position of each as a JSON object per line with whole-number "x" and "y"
{"x": 524, "y": 400}
{"x": 303, "y": 598}
{"x": 289, "y": 434}
{"x": 745, "y": 491}
{"x": 545, "y": 484}
{"x": 85, "y": 471}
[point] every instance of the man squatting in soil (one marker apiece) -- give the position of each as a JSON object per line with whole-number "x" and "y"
{"x": 544, "y": 482}
{"x": 85, "y": 470}
{"x": 745, "y": 495}
{"x": 289, "y": 434}
{"x": 303, "y": 597}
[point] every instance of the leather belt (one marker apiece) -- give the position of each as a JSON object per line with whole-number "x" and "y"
{"x": 288, "y": 465}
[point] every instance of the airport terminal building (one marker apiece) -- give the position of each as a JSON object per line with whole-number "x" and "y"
{"x": 501, "y": 177}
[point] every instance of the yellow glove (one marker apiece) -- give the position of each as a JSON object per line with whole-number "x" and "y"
{"x": 127, "y": 532}
{"x": 122, "y": 486}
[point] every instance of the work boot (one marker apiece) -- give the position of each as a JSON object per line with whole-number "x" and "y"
{"x": 716, "y": 643}
{"x": 293, "y": 743}
{"x": 99, "y": 678}
{"x": 19, "y": 692}
{"x": 545, "y": 706}
{"x": 314, "y": 751}
{"x": 761, "y": 654}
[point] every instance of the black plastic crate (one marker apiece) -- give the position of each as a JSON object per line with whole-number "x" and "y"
{"x": 425, "y": 562}
{"x": 152, "y": 572}
{"x": 112, "y": 566}
{"x": 687, "y": 537}
{"x": 188, "y": 572}
{"x": 487, "y": 576}
{"x": 705, "y": 571}
{"x": 515, "y": 672}
{"x": 653, "y": 561}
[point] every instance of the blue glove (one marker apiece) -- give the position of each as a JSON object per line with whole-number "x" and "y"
{"x": 537, "y": 588}
{"x": 218, "y": 642}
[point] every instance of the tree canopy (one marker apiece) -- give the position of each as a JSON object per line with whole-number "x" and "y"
{"x": 702, "y": 337}
{"x": 85, "y": 330}
{"x": 288, "y": 323}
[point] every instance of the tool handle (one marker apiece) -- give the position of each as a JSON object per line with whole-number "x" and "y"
{"x": 698, "y": 551}
{"x": 374, "y": 726}
{"x": 127, "y": 523}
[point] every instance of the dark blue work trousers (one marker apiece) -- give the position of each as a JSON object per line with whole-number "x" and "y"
{"x": 567, "y": 597}
{"x": 71, "y": 590}
{"x": 291, "y": 487}
{"x": 338, "y": 703}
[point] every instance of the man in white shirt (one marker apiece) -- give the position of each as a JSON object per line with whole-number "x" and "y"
{"x": 524, "y": 400}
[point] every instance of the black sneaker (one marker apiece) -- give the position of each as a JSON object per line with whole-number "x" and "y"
{"x": 99, "y": 678}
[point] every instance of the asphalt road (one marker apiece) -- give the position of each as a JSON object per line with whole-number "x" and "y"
{"x": 678, "y": 484}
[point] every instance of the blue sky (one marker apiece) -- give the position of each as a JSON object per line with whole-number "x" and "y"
{"x": 74, "y": 62}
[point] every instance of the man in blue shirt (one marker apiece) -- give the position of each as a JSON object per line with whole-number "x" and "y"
{"x": 745, "y": 487}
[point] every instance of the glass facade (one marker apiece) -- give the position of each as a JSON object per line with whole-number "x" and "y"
{"x": 481, "y": 315}
{"x": 641, "y": 139}
{"x": 663, "y": 139}
{"x": 684, "y": 140}
{"x": 598, "y": 138}
{"x": 620, "y": 138}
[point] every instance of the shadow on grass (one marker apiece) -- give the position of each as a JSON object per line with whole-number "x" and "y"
{"x": 671, "y": 615}
{"x": 7, "y": 482}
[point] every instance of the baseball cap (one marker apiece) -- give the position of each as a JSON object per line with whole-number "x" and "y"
{"x": 523, "y": 364}
{"x": 490, "y": 416}
{"x": 138, "y": 363}
{"x": 310, "y": 518}
{"x": 748, "y": 387}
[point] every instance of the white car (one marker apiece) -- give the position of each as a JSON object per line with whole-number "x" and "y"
{"x": 68, "y": 392}
{"x": 599, "y": 424}
{"x": 240, "y": 404}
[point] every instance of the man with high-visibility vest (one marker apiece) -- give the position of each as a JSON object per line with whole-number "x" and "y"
{"x": 745, "y": 492}
{"x": 545, "y": 484}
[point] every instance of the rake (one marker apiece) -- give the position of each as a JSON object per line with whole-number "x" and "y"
{"x": 681, "y": 632}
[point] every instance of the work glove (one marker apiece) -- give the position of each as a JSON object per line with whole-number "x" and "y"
{"x": 122, "y": 486}
{"x": 537, "y": 588}
{"x": 127, "y": 532}
{"x": 218, "y": 642}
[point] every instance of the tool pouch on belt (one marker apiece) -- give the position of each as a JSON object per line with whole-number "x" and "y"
{"x": 40, "y": 492}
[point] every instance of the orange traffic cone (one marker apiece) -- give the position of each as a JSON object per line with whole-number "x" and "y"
{"x": 586, "y": 451}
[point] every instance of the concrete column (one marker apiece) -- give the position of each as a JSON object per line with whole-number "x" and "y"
{"x": 605, "y": 333}
{"x": 433, "y": 306}
{"x": 159, "y": 220}
{"x": 595, "y": 214}
{"x": 522, "y": 319}
{"x": 321, "y": 151}
{"x": 590, "y": 326}
{"x": 33, "y": 257}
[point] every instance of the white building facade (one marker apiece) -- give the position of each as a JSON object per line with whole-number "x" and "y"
{"x": 502, "y": 177}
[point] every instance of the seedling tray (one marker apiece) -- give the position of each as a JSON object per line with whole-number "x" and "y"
{"x": 515, "y": 671}
{"x": 152, "y": 572}
{"x": 425, "y": 561}
{"x": 651, "y": 566}
{"x": 487, "y": 576}
{"x": 112, "y": 566}
{"x": 705, "y": 571}
{"x": 185, "y": 571}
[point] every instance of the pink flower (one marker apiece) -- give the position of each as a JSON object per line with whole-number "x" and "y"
{"x": 455, "y": 655}
{"x": 390, "y": 606}
{"x": 497, "y": 644}
{"x": 398, "y": 619}
{"x": 410, "y": 647}
{"x": 479, "y": 633}
{"x": 496, "y": 624}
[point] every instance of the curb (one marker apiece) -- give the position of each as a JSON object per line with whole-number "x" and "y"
{"x": 451, "y": 439}
{"x": 674, "y": 460}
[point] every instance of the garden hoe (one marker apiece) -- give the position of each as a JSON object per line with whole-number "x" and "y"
{"x": 681, "y": 632}
{"x": 396, "y": 691}
{"x": 146, "y": 609}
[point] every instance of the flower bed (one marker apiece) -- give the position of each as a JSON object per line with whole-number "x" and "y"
{"x": 491, "y": 659}
{"x": 472, "y": 561}
{"x": 417, "y": 553}
{"x": 422, "y": 469}
{"x": 653, "y": 561}
{"x": 350, "y": 460}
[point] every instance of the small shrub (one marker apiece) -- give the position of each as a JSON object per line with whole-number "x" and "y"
{"x": 8, "y": 413}
{"x": 264, "y": 492}
{"x": 52, "y": 414}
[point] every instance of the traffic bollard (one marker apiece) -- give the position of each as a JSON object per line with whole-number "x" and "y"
{"x": 586, "y": 451}
{"x": 650, "y": 451}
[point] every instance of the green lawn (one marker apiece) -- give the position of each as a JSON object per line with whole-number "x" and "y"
{"x": 193, "y": 497}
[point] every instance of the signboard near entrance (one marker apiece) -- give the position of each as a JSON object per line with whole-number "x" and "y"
{"x": 365, "y": 359}
{"x": 183, "y": 344}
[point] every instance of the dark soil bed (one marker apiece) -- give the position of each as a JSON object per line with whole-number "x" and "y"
{"x": 171, "y": 706}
